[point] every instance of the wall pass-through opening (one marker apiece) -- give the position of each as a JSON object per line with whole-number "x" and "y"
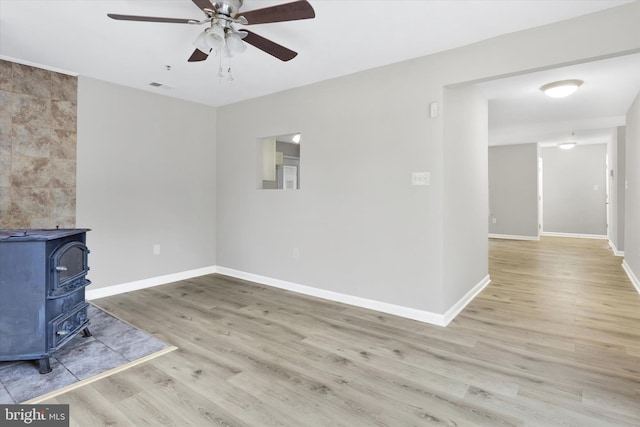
{"x": 279, "y": 162}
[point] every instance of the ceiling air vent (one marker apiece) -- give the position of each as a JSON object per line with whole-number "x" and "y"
{"x": 161, "y": 85}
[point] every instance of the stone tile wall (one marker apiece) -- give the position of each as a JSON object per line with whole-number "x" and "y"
{"x": 37, "y": 147}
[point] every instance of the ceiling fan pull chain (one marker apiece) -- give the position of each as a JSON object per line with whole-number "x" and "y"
{"x": 220, "y": 74}
{"x": 229, "y": 75}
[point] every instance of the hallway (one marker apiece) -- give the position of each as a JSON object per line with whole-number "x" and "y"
{"x": 561, "y": 316}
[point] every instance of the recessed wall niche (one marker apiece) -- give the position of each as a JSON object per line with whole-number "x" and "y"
{"x": 38, "y": 116}
{"x": 279, "y": 162}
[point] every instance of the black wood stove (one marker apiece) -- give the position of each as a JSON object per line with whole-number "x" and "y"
{"x": 43, "y": 275}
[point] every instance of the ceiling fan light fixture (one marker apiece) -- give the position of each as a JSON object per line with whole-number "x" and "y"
{"x": 222, "y": 15}
{"x": 201, "y": 42}
{"x": 215, "y": 37}
{"x": 235, "y": 45}
{"x": 562, "y": 88}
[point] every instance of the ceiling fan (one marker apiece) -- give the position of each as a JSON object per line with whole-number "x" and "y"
{"x": 222, "y": 33}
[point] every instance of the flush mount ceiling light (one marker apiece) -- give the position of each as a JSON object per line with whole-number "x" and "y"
{"x": 561, "y": 88}
{"x": 567, "y": 145}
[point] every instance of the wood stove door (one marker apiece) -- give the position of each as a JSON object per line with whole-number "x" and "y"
{"x": 69, "y": 268}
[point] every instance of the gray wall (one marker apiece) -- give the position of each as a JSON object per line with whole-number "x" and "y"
{"x": 620, "y": 187}
{"x": 571, "y": 202}
{"x": 355, "y": 220}
{"x": 360, "y": 227}
{"x": 465, "y": 192}
{"x": 146, "y": 176}
{"x": 632, "y": 205}
{"x": 513, "y": 190}
{"x": 615, "y": 176}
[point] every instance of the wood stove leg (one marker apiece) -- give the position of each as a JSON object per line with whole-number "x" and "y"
{"x": 86, "y": 332}
{"x": 44, "y": 365}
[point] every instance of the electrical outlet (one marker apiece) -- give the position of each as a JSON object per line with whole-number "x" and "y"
{"x": 420, "y": 178}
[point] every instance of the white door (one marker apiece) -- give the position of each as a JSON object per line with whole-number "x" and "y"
{"x": 540, "y": 209}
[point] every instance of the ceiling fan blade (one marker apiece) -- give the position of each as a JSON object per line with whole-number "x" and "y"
{"x": 272, "y": 48}
{"x": 203, "y": 4}
{"x": 151, "y": 19}
{"x": 198, "y": 55}
{"x": 282, "y": 12}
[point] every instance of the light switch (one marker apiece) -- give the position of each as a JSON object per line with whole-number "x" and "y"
{"x": 595, "y": 188}
{"x": 420, "y": 178}
{"x": 433, "y": 110}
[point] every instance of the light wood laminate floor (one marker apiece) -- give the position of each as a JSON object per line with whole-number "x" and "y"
{"x": 554, "y": 340}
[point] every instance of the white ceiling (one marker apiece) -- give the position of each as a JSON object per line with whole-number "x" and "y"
{"x": 76, "y": 36}
{"x": 519, "y": 112}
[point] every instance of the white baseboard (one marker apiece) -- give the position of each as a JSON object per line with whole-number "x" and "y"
{"x": 410, "y": 313}
{"x": 632, "y": 277}
{"x": 397, "y": 310}
{"x": 147, "y": 283}
{"x": 615, "y": 250}
{"x": 512, "y": 237}
{"x": 465, "y": 300}
{"x": 575, "y": 235}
